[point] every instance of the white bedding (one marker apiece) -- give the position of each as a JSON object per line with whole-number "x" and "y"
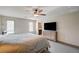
{"x": 22, "y": 43}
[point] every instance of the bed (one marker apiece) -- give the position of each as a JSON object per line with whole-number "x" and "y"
{"x": 23, "y": 43}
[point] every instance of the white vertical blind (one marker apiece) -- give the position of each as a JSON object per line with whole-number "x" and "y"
{"x": 30, "y": 26}
{"x": 10, "y": 26}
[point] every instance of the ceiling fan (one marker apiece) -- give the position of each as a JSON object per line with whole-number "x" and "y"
{"x": 38, "y": 12}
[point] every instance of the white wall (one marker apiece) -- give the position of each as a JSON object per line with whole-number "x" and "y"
{"x": 0, "y": 25}
{"x": 67, "y": 27}
{"x": 20, "y": 25}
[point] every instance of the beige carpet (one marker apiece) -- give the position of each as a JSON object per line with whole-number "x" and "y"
{"x": 61, "y": 48}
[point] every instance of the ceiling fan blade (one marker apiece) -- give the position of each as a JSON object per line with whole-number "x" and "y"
{"x": 43, "y": 14}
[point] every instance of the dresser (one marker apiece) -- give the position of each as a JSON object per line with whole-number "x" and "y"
{"x": 51, "y": 35}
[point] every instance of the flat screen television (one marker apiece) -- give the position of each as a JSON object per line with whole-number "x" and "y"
{"x": 50, "y": 26}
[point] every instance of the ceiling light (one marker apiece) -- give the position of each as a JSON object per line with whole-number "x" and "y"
{"x": 36, "y": 15}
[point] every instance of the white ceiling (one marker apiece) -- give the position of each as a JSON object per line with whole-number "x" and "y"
{"x": 27, "y": 11}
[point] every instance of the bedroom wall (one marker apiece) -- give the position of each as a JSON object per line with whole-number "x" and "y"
{"x": 20, "y": 25}
{"x": 0, "y": 24}
{"x": 67, "y": 27}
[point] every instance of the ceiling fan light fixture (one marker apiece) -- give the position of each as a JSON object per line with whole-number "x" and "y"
{"x": 36, "y": 15}
{"x": 38, "y": 12}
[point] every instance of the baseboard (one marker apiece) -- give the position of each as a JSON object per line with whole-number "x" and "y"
{"x": 65, "y": 43}
{"x": 51, "y": 40}
{"x": 68, "y": 44}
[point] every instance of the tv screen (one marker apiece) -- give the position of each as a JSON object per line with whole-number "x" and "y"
{"x": 50, "y": 26}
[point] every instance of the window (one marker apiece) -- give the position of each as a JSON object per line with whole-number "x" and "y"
{"x": 10, "y": 26}
{"x": 30, "y": 26}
